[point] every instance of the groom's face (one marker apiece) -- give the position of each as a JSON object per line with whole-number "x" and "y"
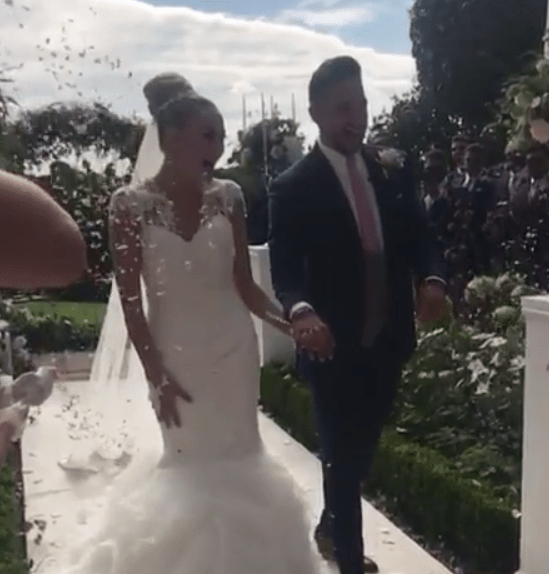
{"x": 341, "y": 115}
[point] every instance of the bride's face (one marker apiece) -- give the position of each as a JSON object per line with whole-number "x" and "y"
{"x": 196, "y": 148}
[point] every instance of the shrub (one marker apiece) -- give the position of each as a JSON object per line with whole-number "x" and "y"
{"x": 462, "y": 391}
{"x": 12, "y": 550}
{"x": 49, "y": 334}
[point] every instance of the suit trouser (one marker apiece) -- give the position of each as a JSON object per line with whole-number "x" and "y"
{"x": 353, "y": 397}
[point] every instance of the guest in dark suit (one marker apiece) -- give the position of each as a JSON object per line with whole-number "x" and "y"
{"x": 348, "y": 240}
{"x": 434, "y": 172}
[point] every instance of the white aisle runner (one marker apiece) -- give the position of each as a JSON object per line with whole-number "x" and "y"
{"x": 53, "y": 509}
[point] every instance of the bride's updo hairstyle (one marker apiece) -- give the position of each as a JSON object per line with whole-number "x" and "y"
{"x": 173, "y": 101}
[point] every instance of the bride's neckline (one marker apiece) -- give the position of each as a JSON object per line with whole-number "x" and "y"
{"x": 186, "y": 233}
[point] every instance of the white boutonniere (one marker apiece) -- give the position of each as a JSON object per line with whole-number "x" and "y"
{"x": 391, "y": 160}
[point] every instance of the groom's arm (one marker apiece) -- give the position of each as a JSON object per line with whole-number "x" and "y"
{"x": 286, "y": 246}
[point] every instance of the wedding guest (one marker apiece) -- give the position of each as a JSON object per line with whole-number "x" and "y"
{"x": 469, "y": 202}
{"x": 455, "y": 178}
{"x": 434, "y": 172}
{"x": 40, "y": 245}
{"x": 481, "y": 198}
{"x": 530, "y": 186}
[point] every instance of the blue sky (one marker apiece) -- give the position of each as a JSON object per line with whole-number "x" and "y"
{"x": 381, "y": 24}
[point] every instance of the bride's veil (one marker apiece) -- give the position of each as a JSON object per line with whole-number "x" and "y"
{"x": 115, "y": 415}
{"x": 113, "y": 351}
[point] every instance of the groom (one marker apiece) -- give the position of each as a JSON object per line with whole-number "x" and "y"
{"x": 348, "y": 242}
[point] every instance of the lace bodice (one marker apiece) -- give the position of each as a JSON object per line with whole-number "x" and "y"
{"x": 147, "y": 204}
{"x": 198, "y": 320}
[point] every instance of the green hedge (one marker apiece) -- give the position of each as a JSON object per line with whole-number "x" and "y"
{"x": 12, "y": 545}
{"x": 418, "y": 484}
{"x": 46, "y": 333}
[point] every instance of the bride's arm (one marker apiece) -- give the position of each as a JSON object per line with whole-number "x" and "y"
{"x": 125, "y": 233}
{"x": 251, "y": 293}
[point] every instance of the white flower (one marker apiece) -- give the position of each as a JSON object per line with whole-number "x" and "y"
{"x": 493, "y": 342}
{"x": 391, "y": 159}
{"x": 483, "y": 389}
{"x": 477, "y": 369}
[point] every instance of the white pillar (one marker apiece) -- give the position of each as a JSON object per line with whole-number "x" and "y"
{"x": 534, "y": 545}
{"x": 273, "y": 345}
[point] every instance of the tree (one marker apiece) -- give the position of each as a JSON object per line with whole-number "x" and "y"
{"x": 265, "y": 150}
{"x": 5, "y": 102}
{"x": 86, "y": 194}
{"x": 414, "y": 126}
{"x": 49, "y": 138}
{"x": 466, "y": 49}
{"x": 62, "y": 129}
{"x": 273, "y": 143}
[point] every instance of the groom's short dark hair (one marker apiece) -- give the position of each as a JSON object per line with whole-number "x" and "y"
{"x": 330, "y": 73}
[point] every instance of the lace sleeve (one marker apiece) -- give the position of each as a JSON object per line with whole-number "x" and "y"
{"x": 233, "y": 196}
{"x": 125, "y": 205}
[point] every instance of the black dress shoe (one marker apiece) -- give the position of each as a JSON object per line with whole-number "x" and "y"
{"x": 324, "y": 544}
{"x": 326, "y": 549}
{"x": 370, "y": 567}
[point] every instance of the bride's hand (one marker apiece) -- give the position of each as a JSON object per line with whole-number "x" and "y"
{"x": 169, "y": 393}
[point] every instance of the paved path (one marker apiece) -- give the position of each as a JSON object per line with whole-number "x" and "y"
{"x": 53, "y": 509}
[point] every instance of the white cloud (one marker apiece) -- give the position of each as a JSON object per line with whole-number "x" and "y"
{"x": 105, "y": 50}
{"x": 330, "y": 16}
{"x": 244, "y": 88}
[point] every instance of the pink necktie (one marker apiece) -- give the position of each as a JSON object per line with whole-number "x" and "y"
{"x": 375, "y": 280}
{"x": 364, "y": 208}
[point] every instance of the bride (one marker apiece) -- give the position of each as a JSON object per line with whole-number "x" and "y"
{"x": 213, "y": 502}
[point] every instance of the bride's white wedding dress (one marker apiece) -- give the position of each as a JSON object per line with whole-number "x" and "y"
{"x": 213, "y": 501}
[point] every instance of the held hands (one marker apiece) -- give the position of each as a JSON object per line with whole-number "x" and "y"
{"x": 167, "y": 391}
{"x": 313, "y": 336}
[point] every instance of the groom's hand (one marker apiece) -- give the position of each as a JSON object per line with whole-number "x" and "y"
{"x": 431, "y": 301}
{"x": 313, "y": 335}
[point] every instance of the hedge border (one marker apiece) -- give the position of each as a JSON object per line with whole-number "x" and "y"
{"x": 12, "y": 537}
{"x": 417, "y": 483}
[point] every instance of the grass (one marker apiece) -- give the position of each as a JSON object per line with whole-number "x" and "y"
{"x": 81, "y": 313}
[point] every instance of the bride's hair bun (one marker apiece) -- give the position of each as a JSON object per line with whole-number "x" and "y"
{"x": 164, "y": 88}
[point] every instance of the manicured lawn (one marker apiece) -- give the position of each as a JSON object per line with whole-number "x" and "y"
{"x": 93, "y": 313}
